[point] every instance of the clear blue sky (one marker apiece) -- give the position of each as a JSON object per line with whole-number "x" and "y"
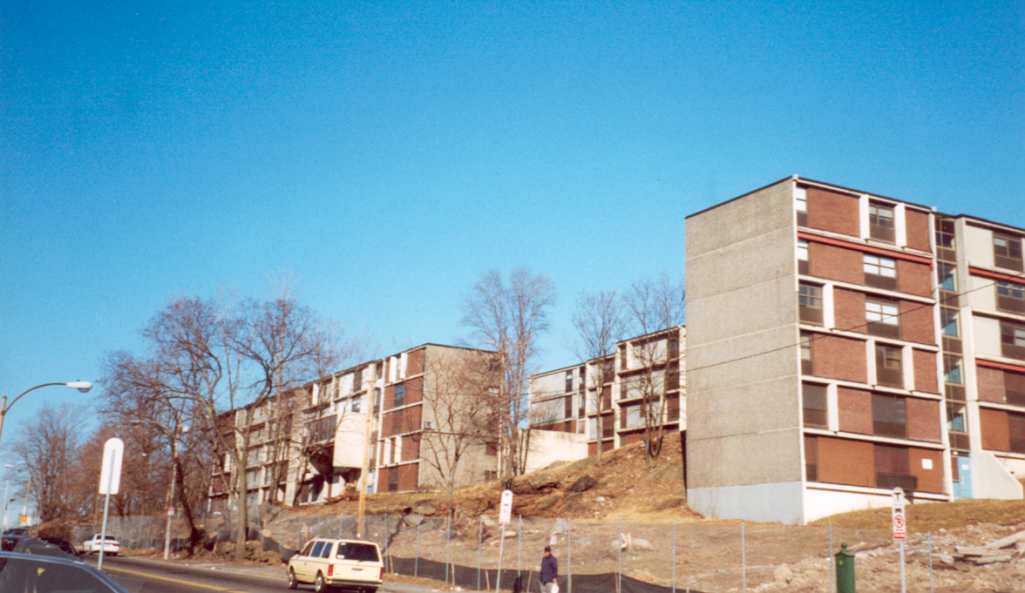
{"x": 376, "y": 158}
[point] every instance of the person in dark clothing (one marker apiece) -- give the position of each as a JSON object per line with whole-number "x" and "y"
{"x": 549, "y": 572}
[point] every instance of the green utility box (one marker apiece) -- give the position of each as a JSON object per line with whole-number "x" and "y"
{"x": 844, "y": 571}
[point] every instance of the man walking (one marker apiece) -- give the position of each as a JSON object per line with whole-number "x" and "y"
{"x": 549, "y": 572}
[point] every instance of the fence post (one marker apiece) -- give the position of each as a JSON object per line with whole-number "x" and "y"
{"x": 569, "y": 556}
{"x": 519, "y": 546}
{"x": 416, "y": 559}
{"x": 674, "y": 558}
{"x": 619, "y": 560}
{"x": 480, "y": 536}
{"x": 930, "y": 563}
{"x": 743, "y": 559}
{"x": 832, "y": 560}
{"x": 448, "y": 547}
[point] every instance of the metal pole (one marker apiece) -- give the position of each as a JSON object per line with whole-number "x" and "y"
{"x": 519, "y": 546}
{"x": 501, "y": 550}
{"x": 569, "y": 558}
{"x": 6, "y": 484}
{"x": 103, "y": 530}
{"x": 170, "y": 506}
{"x": 480, "y": 535}
{"x": 416, "y": 560}
{"x": 930, "y": 563}
{"x": 448, "y": 547}
{"x": 674, "y": 558}
{"x": 903, "y": 580}
{"x": 619, "y": 561}
{"x": 832, "y": 562}
{"x": 743, "y": 559}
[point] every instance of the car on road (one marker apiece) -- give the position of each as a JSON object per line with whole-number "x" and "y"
{"x": 30, "y": 573}
{"x": 337, "y": 565}
{"x": 109, "y": 544}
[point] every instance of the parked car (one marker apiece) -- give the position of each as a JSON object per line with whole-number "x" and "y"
{"x": 109, "y": 544}
{"x": 62, "y": 544}
{"x": 25, "y": 573}
{"x": 9, "y": 541}
{"x": 332, "y": 564}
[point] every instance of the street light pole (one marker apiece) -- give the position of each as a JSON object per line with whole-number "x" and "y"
{"x": 82, "y": 386}
{"x": 6, "y": 502}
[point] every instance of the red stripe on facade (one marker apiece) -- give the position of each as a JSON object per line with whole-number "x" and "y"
{"x": 1003, "y": 366}
{"x": 864, "y": 248}
{"x": 995, "y": 275}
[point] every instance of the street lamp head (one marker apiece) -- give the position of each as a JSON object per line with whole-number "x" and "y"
{"x": 83, "y": 386}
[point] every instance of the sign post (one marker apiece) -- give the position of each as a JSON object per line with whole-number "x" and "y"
{"x": 504, "y": 518}
{"x": 900, "y": 531}
{"x": 110, "y": 483}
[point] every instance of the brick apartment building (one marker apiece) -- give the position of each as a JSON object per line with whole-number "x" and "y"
{"x": 566, "y": 400}
{"x": 834, "y": 353}
{"x": 308, "y": 445}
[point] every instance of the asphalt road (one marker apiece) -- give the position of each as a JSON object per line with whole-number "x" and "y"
{"x": 145, "y": 577}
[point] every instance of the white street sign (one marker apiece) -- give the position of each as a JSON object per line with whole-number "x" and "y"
{"x": 899, "y": 520}
{"x": 505, "y": 509}
{"x": 110, "y": 474}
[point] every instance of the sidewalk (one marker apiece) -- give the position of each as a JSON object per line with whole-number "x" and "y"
{"x": 276, "y": 574}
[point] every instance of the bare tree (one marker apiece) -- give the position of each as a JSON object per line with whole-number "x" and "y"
{"x": 48, "y": 450}
{"x": 509, "y": 318}
{"x": 600, "y": 322}
{"x": 459, "y": 399}
{"x": 655, "y": 309}
{"x": 219, "y": 366}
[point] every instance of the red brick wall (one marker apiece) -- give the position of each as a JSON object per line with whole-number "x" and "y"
{"x": 855, "y": 407}
{"x": 914, "y": 278}
{"x": 400, "y": 421}
{"x": 925, "y": 370}
{"x": 592, "y": 448}
{"x": 564, "y": 426}
{"x": 631, "y": 437}
{"x": 995, "y": 435}
{"x": 415, "y": 362}
{"x": 849, "y": 309}
{"x": 916, "y": 323}
{"x": 408, "y": 477}
{"x": 832, "y": 211}
{"x": 917, "y": 224}
{"x": 991, "y": 384}
{"x": 929, "y": 480}
{"x": 835, "y": 263}
{"x": 411, "y": 447}
{"x": 414, "y": 392}
{"x": 838, "y": 357}
{"x": 923, "y": 419}
{"x": 844, "y": 461}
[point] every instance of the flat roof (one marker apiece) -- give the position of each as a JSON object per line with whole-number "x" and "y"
{"x": 798, "y": 178}
{"x": 983, "y": 220}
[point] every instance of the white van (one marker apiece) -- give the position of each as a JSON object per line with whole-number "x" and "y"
{"x": 337, "y": 564}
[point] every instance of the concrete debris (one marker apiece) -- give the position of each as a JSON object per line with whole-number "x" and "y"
{"x": 994, "y": 552}
{"x": 1007, "y": 542}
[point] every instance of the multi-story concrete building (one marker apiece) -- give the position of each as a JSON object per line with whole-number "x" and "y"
{"x": 308, "y": 445}
{"x": 819, "y": 377}
{"x": 613, "y": 414}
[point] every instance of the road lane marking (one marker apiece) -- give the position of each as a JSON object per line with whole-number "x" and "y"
{"x": 176, "y": 581}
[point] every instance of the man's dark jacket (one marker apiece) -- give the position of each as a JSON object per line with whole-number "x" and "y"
{"x": 549, "y": 569}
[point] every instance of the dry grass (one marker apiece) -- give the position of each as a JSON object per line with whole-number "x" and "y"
{"x": 924, "y": 518}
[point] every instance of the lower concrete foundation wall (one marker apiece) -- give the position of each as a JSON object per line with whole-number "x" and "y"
{"x": 779, "y": 501}
{"x": 822, "y": 503}
{"x": 991, "y": 478}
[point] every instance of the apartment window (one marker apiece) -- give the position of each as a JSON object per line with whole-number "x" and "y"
{"x": 393, "y": 481}
{"x": 889, "y": 415}
{"x": 400, "y": 395}
{"x": 569, "y": 381}
{"x": 893, "y": 468}
{"x": 801, "y": 205}
{"x": 811, "y": 458}
{"x": 1007, "y": 251}
{"x": 952, "y": 370}
{"x": 806, "y": 361}
{"x": 567, "y": 407}
{"x": 810, "y": 301}
{"x": 1016, "y": 432}
{"x": 357, "y": 380}
{"x": 889, "y": 370}
{"x": 1014, "y": 388}
{"x": 814, "y": 400}
{"x": 394, "y": 450}
{"x": 880, "y": 272}
{"x": 948, "y": 320}
{"x": 1012, "y": 339}
{"x": 945, "y": 236}
{"x": 1011, "y": 297}
{"x": 491, "y": 448}
{"x": 956, "y": 420}
{"x": 802, "y": 256}
{"x": 490, "y": 475}
{"x": 947, "y": 274}
{"x": 357, "y": 404}
{"x": 882, "y": 318}
{"x": 881, "y": 222}
{"x": 606, "y": 397}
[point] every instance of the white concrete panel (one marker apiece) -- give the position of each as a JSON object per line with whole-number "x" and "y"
{"x": 983, "y": 293}
{"x": 779, "y": 501}
{"x": 991, "y": 479}
{"x": 350, "y": 442}
{"x": 1015, "y": 466}
{"x": 979, "y": 246}
{"x": 986, "y": 332}
{"x": 823, "y": 503}
{"x": 549, "y": 446}
{"x": 345, "y": 384}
